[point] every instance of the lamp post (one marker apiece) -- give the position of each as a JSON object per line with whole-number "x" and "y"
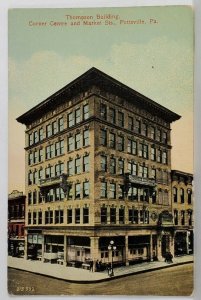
{"x": 112, "y": 247}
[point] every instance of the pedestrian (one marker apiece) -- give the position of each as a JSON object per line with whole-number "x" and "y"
{"x": 108, "y": 268}
{"x": 91, "y": 265}
{"x": 97, "y": 265}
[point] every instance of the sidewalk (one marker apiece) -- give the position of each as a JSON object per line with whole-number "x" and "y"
{"x": 76, "y": 275}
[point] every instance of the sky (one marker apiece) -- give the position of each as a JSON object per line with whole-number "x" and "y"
{"x": 155, "y": 59}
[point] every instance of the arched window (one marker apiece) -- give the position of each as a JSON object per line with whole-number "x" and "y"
{"x": 175, "y": 194}
{"x": 182, "y": 195}
{"x": 189, "y": 193}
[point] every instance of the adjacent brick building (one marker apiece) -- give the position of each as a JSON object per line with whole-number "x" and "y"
{"x": 16, "y": 223}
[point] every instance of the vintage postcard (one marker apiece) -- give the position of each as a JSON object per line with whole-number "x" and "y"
{"x": 100, "y": 192}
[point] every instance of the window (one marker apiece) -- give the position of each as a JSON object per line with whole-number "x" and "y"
{"x": 103, "y": 215}
{"x": 30, "y": 159}
{"x": 153, "y": 197}
{"x": 48, "y": 130}
{"x": 85, "y": 189}
{"x": 132, "y": 147}
{"x": 30, "y": 139}
{"x": 71, "y": 119}
{"x": 120, "y": 143}
{"x": 77, "y": 191}
{"x": 153, "y": 174}
{"x": 35, "y": 157}
{"x": 189, "y": 193}
{"x": 49, "y": 217}
{"x": 133, "y": 216}
{"x": 137, "y": 126}
{"x": 49, "y": 151}
{"x": 77, "y": 216}
{"x": 164, "y": 157}
{"x": 120, "y": 119}
{"x": 59, "y": 216}
{"x": 103, "y": 137}
{"x": 78, "y": 165}
{"x": 175, "y": 217}
{"x": 159, "y": 156}
{"x": 59, "y": 169}
{"x": 70, "y": 192}
{"x": 70, "y": 167}
{"x": 182, "y": 217}
{"x": 36, "y": 138}
{"x": 86, "y": 163}
{"x": 34, "y": 197}
{"x": 165, "y": 198}
{"x": 40, "y": 134}
{"x": 61, "y": 124}
{"x": 112, "y": 190}
{"x": 121, "y": 216}
{"x": 158, "y": 135}
{"x": 112, "y": 115}
{"x": 29, "y": 217}
{"x": 112, "y": 141}
{"x": 103, "y": 163}
{"x": 70, "y": 143}
{"x": 130, "y": 123}
{"x": 103, "y": 190}
{"x": 86, "y": 111}
{"x": 30, "y": 178}
{"x": 153, "y": 153}
{"x": 59, "y": 148}
{"x": 133, "y": 193}
{"x": 190, "y": 218}
{"x": 164, "y": 137}
{"x": 121, "y": 167}
{"x": 144, "y": 129}
{"x": 34, "y": 218}
{"x": 40, "y": 155}
{"x": 40, "y": 217}
{"x": 103, "y": 111}
{"x": 86, "y": 137}
{"x": 69, "y": 216}
{"x": 132, "y": 168}
{"x": 54, "y": 127}
{"x": 143, "y": 171}
{"x": 85, "y": 215}
{"x": 77, "y": 116}
{"x": 78, "y": 141}
{"x": 59, "y": 194}
{"x": 40, "y": 199}
{"x": 40, "y": 174}
{"x": 50, "y": 196}
{"x": 143, "y": 150}
{"x": 35, "y": 177}
{"x": 182, "y": 195}
{"x": 152, "y": 132}
{"x": 49, "y": 172}
{"x": 112, "y": 215}
{"x": 112, "y": 166}
{"x": 29, "y": 198}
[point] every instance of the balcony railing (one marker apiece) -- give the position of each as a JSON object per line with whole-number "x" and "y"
{"x": 50, "y": 181}
{"x": 142, "y": 181}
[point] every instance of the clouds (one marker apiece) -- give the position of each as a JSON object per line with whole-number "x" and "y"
{"x": 160, "y": 68}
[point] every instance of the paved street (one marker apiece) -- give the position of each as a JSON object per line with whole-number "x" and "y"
{"x": 174, "y": 281}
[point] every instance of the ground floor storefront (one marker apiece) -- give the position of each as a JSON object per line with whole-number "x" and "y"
{"x": 78, "y": 248}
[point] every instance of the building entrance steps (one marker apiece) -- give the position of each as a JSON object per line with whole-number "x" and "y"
{"x": 79, "y": 275}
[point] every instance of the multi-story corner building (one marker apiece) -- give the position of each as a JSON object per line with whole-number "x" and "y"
{"x": 182, "y": 204}
{"x": 16, "y": 222}
{"x": 98, "y": 168}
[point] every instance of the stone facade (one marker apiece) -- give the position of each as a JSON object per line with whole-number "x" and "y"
{"x": 98, "y": 168}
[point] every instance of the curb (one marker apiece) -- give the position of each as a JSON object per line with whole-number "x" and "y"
{"x": 108, "y": 278}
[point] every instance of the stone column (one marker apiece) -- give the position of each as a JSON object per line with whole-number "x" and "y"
{"x": 43, "y": 248}
{"x": 94, "y": 247}
{"x": 65, "y": 250}
{"x": 151, "y": 247}
{"x": 126, "y": 251}
{"x": 25, "y": 244}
